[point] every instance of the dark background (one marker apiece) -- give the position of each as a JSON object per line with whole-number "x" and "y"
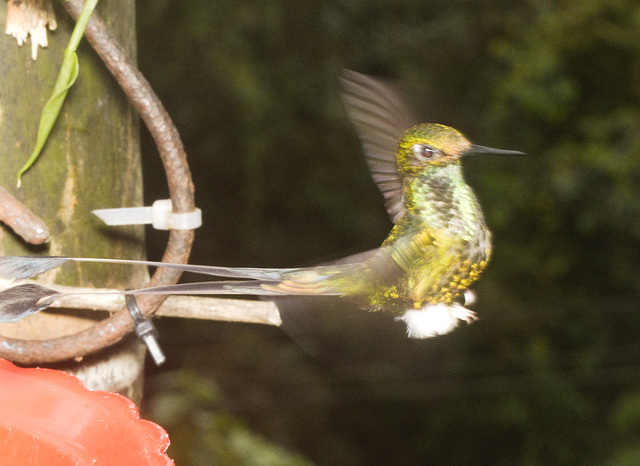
{"x": 550, "y": 372}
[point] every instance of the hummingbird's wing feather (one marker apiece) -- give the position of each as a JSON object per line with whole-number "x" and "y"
{"x": 380, "y": 116}
{"x": 336, "y": 330}
{"x": 365, "y": 277}
{"x": 324, "y": 326}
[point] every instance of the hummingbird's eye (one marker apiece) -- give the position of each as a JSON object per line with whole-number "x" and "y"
{"x": 423, "y": 152}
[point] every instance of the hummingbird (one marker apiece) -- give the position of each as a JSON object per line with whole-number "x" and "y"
{"x": 422, "y": 272}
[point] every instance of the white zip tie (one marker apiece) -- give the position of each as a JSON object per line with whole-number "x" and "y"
{"x": 159, "y": 215}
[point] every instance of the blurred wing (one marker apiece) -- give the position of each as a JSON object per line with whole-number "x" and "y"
{"x": 335, "y": 331}
{"x": 353, "y": 276}
{"x": 380, "y": 116}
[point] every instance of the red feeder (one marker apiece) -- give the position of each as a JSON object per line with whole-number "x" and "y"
{"x": 48, "y": 417}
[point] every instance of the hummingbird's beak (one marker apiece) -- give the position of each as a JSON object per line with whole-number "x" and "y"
{"x": 480, "y": 150}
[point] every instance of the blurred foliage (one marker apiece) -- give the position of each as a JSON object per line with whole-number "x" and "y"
{"x": 550, "y": 374}
{"x": 191, "y": 407}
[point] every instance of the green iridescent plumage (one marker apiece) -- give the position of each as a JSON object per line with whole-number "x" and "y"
{"x": 437, "y": 249}
{"x": 440, "y": 242}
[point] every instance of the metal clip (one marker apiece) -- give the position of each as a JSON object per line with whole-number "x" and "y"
{"x": 145, "y": 330}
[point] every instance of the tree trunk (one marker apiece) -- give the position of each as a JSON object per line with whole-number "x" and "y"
{"x": 91, "y": 160}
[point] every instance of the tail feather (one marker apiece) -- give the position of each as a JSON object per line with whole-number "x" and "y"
{"x": 22, "y": 300}
{"x": 23, "y": 267}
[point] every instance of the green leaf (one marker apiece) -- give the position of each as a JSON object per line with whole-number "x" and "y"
{"x": 52, "y": 109}
{"x": 66, "y": 77}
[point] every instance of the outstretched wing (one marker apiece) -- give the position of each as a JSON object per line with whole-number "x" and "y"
{"x": 380, "y": 116}
{"x": 380, "y": 279}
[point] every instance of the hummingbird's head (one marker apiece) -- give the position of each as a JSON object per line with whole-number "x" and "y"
{"x": 429, "y": 144}
{"x": 434, "y": 144}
